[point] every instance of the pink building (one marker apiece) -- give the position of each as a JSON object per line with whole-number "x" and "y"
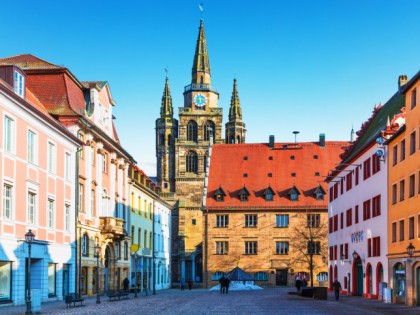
{"x": 37, "y": 163}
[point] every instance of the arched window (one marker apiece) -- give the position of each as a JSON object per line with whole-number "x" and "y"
{"x": 238, "y": 139}
{"x": 192, "y": 131}
{"x": 169, "y": 139}
{"x": 85, "y": 245}
{"x": 161, "y": 139}
{"x": 192, "y": 162}
{"x": 208, "y": 130}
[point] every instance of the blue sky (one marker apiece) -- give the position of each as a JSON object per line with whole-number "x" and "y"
{"x": 312, "y": 66}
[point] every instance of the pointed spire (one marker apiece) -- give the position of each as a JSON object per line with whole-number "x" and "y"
{"x": 166, "y": 109}
{"x": 352, "y": 136}
{"x": 201, "y": 65}
{"x": 235, "y": 111}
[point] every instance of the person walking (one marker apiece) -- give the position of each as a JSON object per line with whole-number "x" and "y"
{"x": 227, "y": 282}
{"x": 337, "y": 288}
{"x": 182, "y": 284}
{"x": 190, "y": 283}
{"x": 126, "y": 284}
{"x": 304, "y": 282}
{"x": 298, "y": 284}
{"x": 222, "y": 284}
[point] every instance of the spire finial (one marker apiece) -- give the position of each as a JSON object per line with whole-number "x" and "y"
{"x": 201, "y": 7}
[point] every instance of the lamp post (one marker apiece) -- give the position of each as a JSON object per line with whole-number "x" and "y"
{"x": 29, "y": 238}
{"x": 97, "y": 254}
{"x": 136, "y": 257}
{"x": 410, "y": 250}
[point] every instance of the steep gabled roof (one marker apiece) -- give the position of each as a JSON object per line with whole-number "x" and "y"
{"x": 294, "y": 190}
{"x": 320, "y": 189}
{"x": 28, "y": 61}
{"x": 268, "y": 191}
{"x": 243, "y": 191}
{"x": 256, "y": 167}
{"x": 219, "y": 192}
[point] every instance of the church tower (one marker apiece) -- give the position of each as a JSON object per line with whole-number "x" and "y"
{"x": 166, "y": 133}
{"x": 235, "y": 128}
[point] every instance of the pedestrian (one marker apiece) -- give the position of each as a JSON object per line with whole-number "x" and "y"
{"x": 304, "y": 282}
{"x": 222, "y": 284}
{"x": 227, "y": 282}
{"x": 182, "y": 284}
{"x": 126, "y": 284}
{"x": 298, "y": 284}
{"x": 336, "y": 288}
{"x": 190, "y": 283}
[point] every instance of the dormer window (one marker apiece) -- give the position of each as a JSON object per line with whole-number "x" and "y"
{"x": 294, "y": 193}
{"x": 19, "y": 84}
{"x": 269, "y": 194}
{"x": 219, "y": 194}
{"x": 319, "y": 193}
{"x": 243, "y": 194}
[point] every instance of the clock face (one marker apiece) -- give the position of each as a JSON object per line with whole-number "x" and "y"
{"x": 200, "y": 100}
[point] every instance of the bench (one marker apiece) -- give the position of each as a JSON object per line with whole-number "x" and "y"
{"x": 73, "y": 298}
{"x": 123, "y": 294}
{"x": 317, "y": 293}
{"x": 116, "y": 295}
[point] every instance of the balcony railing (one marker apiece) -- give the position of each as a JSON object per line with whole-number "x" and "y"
{"x": 200, "y": 87}
{"x": 112, "y": 225}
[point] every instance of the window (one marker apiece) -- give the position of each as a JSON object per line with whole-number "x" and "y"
{"x": 413, "y": 143}
{"x": 251, "y": 248}
{"x": 192, "y": 162}
{"x": 366, "y": 210}
{"x": 330, "y": 225}
{"x": 9, "y": 134}
{"x": 193, "y": 221}
{"x": 313, "y": 220}
{"x": 336, "y": 223}
{"x": 401, "y": 230}
{"x": 418, "y": 226}
{"x": 314, "y": 248}
{"x": 402, "y": 152}
{"x": 31, "y": 208}
{"x": 132, "y": 232}
{"x": 376, "y": 246}
{"x": 413, "y": 98}
{"x": 150, "y": 240}
{"x": 81, "y": 151}
{"x": 369, "y": 247}
{"x": 51, "y": 279}
{"x": 394, "y": 232}
{"x": 356, "y": 179}
{"x": 68, "y": 166}
{"x": 412, "y": 184}
{"x": 244, "y": 197}
{"x": 126, "y": 251}
{"x": 394, "y": 194}
{"x": 51, "y": 157}
{"x": 6, "y": 282}
{"x": 117, "y": 250}
{"x": 85, "y": 245}
{"x": 222, "y": 220}
{"x": 366, "y": 169}
{"x": 250, "y": 220}
{"x": 341, "y": 220}
{"x": 145, "y": 239}
{"x": 7, "y": 202}
{"x": 81, "y": 198}
{"x": 376, "y": 164}
{"x": 67, "y": 218}
{"x": 376, "y": 206}
{"x": 31, "y": 147}
{"x": 139, "y": 205}
{"x": 104, "y": 162}
{"x": 19, "y": 84}
{"x": 261, "y": 276}
{"x": 282, "y": 220}
{"x": 294, "y": 196}
{"x": 349, "y": 181}
{"x": 219, "y": 198}
{"x": 139, "y": 237}
{"x": 411, "y": 228}
{"x": 282, "y": 248}
{"x": 269, "y": 196}
{"x": 192, "y": 131}
{"x": 222, "y": 248}
{"x": 349, "y": 217}
{"x": 93, "y": 202}
{"x": 105, "y": 202}
{"x": 402, "y": 189}
{"x": 394, "y": 155}
{"x": 51, "y": 213}
{"x": 356, "y": 214}
{"x": 341, "y": 186}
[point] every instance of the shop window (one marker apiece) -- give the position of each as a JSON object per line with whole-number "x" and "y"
{"x": 399, "y": 280}
{"x": 6, "y": 281}
{"x": 52, "y": 279}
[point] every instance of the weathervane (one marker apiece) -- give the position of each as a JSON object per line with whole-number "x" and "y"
{"x": 201, "y": 7}
{"x": 166, "y": 70}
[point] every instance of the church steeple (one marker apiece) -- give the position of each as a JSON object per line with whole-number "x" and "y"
{"x": 235, "y": 111}
{"x": 201, "y": 64}
{"x": 166, "y": 109}
{"x": 235, "y": 127}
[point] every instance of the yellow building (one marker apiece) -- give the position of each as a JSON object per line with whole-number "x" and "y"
{"x": 404, "y": 197}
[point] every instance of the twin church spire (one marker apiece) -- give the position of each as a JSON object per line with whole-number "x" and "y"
{"x": 166, "y": 109}
{"x": 201, "y": 64}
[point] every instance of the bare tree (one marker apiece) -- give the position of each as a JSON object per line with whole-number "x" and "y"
{"x": 309, "y": 240}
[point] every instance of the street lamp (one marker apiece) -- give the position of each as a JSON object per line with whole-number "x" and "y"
{"x": 97, "y": 254}
{"x": 410, "y": 250}
{"x": 29, "y": 238}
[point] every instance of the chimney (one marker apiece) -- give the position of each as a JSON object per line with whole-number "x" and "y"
{"x": 271, "y": 142}
{"x": 402, "y": 80}
{"x": 322, "y": 140}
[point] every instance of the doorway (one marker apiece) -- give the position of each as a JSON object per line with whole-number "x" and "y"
{"x": 359, "y": 279}
{"x": 281, "y": 277}
{"x": 66, "y": 282}
{"x": 418, "y": 286}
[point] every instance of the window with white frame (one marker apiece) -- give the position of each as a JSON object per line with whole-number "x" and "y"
{"x": 85, "y": 245}
{"x": 19, "y": 84}
{"x": 251, "y": 247}
{"x": 8, "y": 134}
{"x": 31, "y": 147}
{"x": 282, "y": 220}
{"x": 68, "y": 166}
{"x": 51, "y": 213}
{"x": 67, "y": 218}
{"x": 31, "y": 207}
{"x": 7, "y": 201}
{"x": 222, "y": 248}
{"x": 222, "y": 220}
{"x": 282, "y": 248}
{"x": 251, "y": 220}
{"x": 51, "y": 157}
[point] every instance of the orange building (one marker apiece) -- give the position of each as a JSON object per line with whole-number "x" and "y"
{"x": 266, "y": 210}
{"x": 404, "y": 197}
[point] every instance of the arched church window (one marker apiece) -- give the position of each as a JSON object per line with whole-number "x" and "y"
{"x": 238, "y": 139}
{"x": 161, "y": 139}
{"x": 169, "y": 139}
{"x": 192, "y": 162}
{"x": 192, "y": 131}
{"x": 232, "y": 139}
{"x": 208, "y": 130}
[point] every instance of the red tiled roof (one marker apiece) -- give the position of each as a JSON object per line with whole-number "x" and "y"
{"x": 28, "y": 61}
{"x": 228, "y": 166}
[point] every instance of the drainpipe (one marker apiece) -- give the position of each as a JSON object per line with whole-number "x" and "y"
{"x": 78, "y": 243}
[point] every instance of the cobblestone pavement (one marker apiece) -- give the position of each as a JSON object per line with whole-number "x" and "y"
{"x": 200, "y": 301}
